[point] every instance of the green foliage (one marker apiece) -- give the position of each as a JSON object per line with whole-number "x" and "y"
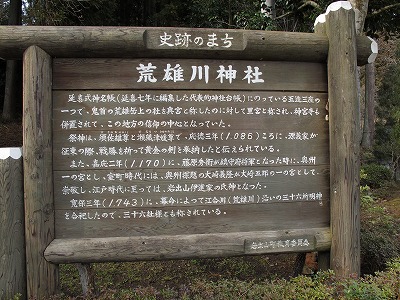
{"x": 389, "y": 279}
{"x": 304, "y": 288}
{"x": 69, "y": 278}
{"x": 380, "y": 235}
{"x": 366, "y": 196}
{"x": 363, "y": 291}
{"x": 17, "y": 296}
{"x": 381, "y": 285}
{"x": 72, "y": 12}
{"x": 224, "y": 14}
{"x": 387, "y": 146}
{"x": 291, "y": 15}
{"x": 383, "y": 18}
{"x": 323, "y": 285}
{"x": 375, "y": 175}
{"x": 4, "y": 12}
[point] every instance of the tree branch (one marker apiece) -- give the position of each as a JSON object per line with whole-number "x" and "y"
{"x": 305, "y": 3}
{"x": 383, "y": 9}
{"x": 309, "y": 3}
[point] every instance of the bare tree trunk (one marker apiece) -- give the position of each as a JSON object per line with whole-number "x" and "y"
{"x": 87, "y": 279}
{"x": 149, "y": 12}
{"x": 361, "y": 9}
{"x": 10, "y": 96}
{"x": 369, "y": 117}
{"x": 230, "y": 22}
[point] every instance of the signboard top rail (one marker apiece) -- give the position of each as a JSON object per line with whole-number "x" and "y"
{"x": 170, "y": 42}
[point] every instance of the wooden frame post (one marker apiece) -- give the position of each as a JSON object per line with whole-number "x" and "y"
{"x": 42, "y": 276}
{"x": 12, "y": 245}
{"x": 344, "y": 128}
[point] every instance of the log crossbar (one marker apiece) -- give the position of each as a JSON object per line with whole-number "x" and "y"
{"x": 179, "y": 246}
{"x": 129, "y": 42}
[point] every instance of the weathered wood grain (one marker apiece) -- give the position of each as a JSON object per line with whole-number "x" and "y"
{"x": 344, "y": 142}
{"x": 12, "y": 235}
{"x": 130, "y": 42}
{"x": 42, "y": 277}
{"x": 178, "y": 246}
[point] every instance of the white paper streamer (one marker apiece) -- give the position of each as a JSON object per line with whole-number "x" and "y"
{"x": 14, "y": 153}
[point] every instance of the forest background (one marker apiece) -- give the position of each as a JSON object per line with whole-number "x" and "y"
{"x": 379, "y": 96}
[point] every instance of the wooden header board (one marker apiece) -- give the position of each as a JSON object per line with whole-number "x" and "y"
{"x": 166, "y": 147}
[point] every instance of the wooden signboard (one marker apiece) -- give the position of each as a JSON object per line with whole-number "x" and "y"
{"x": 156, "y": 147}
{"x": 146, "y": 143}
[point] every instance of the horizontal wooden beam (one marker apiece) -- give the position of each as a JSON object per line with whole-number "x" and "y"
{"x": 131, "y": 42}
{"x": 187, "y": 246}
